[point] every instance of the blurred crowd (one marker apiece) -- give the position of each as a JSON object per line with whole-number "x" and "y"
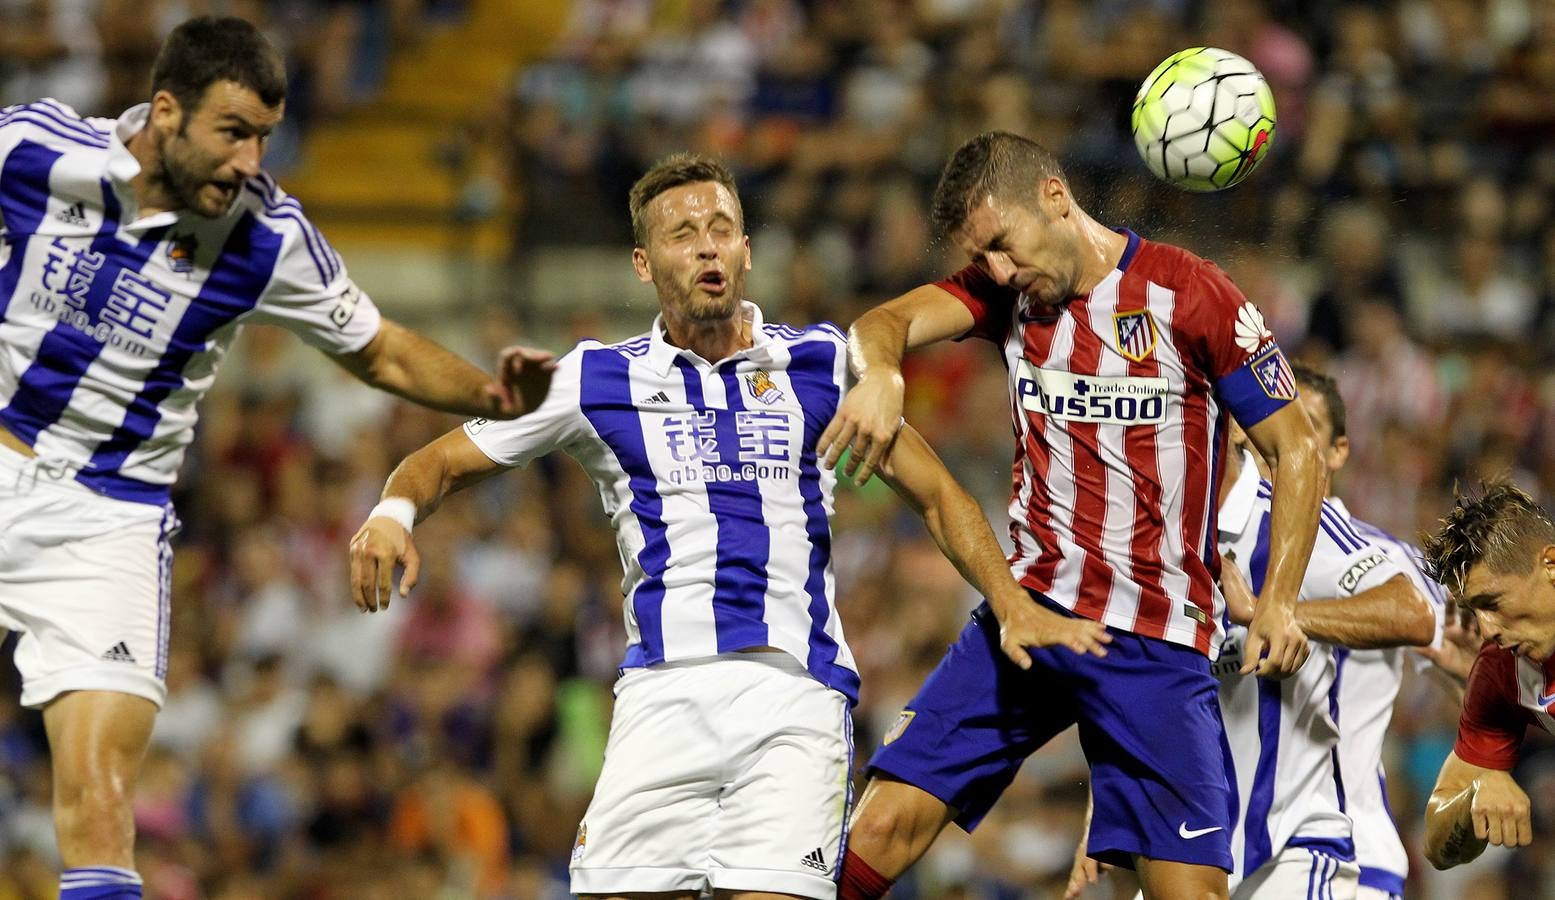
{"x": 1401, "y": 234}
{"x": 96, "y": 55}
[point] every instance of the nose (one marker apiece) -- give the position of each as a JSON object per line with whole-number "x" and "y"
{"x": 1489, "y": 628}
{"x": 247, "y": 160}
{"x": 706, "y": 248}
{"x": 1000, "y": 267}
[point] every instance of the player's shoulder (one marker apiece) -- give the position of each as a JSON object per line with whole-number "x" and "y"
{"x": 1167, "y": 265}
{"x": 54, "y": 125}
{"x": 827, "y": 332}
{"x": 1496, "y": 667}
{"x": 264, "y": 197}
{"x": 634, "y": 347}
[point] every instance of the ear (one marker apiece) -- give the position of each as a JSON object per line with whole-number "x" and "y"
{"x": 747, "y": 253}
{"x": 1056, "y": 197}
{"x": 1341, "y": 451}
{"x": 641, "y": 266}
{"x": 1547, "y": 560}
{"x": 167, "y": 114}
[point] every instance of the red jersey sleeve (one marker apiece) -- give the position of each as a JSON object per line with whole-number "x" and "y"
{"x": 1492, "y": 724}
{"x": 992, "y": 305}
{"x": 1225, "y": 335}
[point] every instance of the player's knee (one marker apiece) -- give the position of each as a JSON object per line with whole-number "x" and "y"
{"x": 883, "y": 831}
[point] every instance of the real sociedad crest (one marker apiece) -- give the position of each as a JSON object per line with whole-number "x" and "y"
{"x": 1135, "y": 333}
{"x": 180, "y": 253}
{"x": 1274, "y": 375}
{"x": 762, "y": 387}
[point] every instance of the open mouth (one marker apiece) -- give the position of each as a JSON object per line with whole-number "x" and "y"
{"x": 712, "y": 282}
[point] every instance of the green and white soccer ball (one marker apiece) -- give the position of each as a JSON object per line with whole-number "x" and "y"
{"x": 1204, "y": 119}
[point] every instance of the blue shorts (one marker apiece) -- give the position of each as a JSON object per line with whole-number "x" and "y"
{"x": 1149, "y": 724}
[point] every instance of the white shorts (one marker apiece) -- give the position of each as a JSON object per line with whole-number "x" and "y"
{"x": 725, "y": 773}
{"x": 85, "y": 579}
{"x": 1299, "y": 872}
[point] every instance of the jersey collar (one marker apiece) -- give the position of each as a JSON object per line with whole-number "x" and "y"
{"x": 662, "y": 354}
{"x": 1236, "y": 514}
{"x": 122, "y": 167}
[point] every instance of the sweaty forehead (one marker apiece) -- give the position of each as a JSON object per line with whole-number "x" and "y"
{"x": 696, "y": 201}
{"x": 1480, "y": 582}
{"x": 228, "y": 99}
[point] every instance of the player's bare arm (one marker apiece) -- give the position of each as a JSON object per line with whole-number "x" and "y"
{"x": 448, "y": 464}
{"x": 404, "y": 363}
{"x": 1470, "y": 808}
{"x": 872, "y": 411}
{"x": 1391, "y": 614}
{"x": 958, "y": 526}
{"x": 1276, "y": 646}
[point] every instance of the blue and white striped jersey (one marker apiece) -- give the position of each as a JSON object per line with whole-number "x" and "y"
{"x": 709, "y": 475}
{"x": 112, "y": 325}
{"x": 1364, "y": 692}
{"x": 1281, "y": 735}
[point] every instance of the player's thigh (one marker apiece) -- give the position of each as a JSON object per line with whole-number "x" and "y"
{"x": 86, "y": 581}
{"x": 782, "y": 812}
{"x": 1166, "y": 880}
{"x": 97, "y": 738}
{"x": 1297, "y": 872}
{"x": 1151, "y": 730}
{"x": 965, "y": 734}
{"x": 649, "y": 826}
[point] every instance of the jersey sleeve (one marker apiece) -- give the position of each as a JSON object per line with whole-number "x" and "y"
{"x": 311, "y": 295}
{"x": 991, "y": 304}
{"x": 557, "y": 422}
{"x": 1343, "y": 562}
{"x": 1234, "y": 349}
{"x": 1492, "y": 725}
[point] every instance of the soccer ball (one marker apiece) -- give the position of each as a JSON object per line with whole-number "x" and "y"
{"x": 1204, "y": 119}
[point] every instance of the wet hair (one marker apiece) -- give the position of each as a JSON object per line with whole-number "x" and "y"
{"x": 993, "y": 164}
{"x": 208, "y": 49}
{"x": 1503, "y": 528}
{"x": 672, "y": 172}
{"x": 1323, "y": 383}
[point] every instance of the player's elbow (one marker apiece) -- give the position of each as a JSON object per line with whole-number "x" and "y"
{"x": 1421, "y": 624}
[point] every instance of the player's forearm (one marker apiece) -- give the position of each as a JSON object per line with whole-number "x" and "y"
{"x": 1300, "y": 482}
{"x": 1449, "y": 829}
{"x": 423, "y": 478}
{"x": 877, "y": 341}
{"x": 1392, "y": 614}
{"x": 423, "y": 371}
{"x": 958, "y": 526}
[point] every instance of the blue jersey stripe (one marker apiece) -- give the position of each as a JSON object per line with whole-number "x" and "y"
{"x": 232, "y": 289}
{"x": 1340, "y": 655}
{"x": 55, "y": 124}
{"x": 743, "y": 542}
{"x": 44, "y": 389}
{"x": 24, "y": 200}
{"x": 69, "y": 117}
{"x": 1258, "y": 846}
{"x": 606, "y": 401}
{"x": 326, "y": 273}
{"x": 811, "y": 371}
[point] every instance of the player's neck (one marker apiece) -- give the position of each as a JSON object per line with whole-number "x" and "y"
{"x": 1100, "y": 249}
{"x": 713, "y": 341}
{"x": 152, "y": 194}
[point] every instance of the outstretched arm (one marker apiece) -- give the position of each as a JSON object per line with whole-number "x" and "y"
{"x": 415, "y": 488}
{"x": 1471, "y": 808}
{"x": 958, "y": 526}
{"x": 872, "y": 411}
{"x": 404, "y": 363}
{"x": 1392, "y": 614}
{"x": 1276, "y": 646}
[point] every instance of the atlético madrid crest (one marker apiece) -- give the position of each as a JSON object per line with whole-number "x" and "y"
{"x": 1274, "y": 375}
{"x": 1135, "y": 333}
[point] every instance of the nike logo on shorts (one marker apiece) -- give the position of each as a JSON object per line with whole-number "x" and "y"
{"x": 1185, "y": 834}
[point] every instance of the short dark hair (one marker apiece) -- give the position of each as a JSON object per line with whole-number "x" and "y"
{"x": 672, "y": 172}
{"x": 208, "y": 49}
{"x": 1324, "y": 383}
{"x": 1503, "y": 527}
{"x": 997, "y": 164}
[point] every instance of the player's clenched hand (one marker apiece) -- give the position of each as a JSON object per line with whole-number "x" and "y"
{"x": 523, "y": 380}
{"x": 375, "y": 549}
{"x": 1022, "y": 624}
{"x": 1501, "y": 811}
{"x": 1276, "y": 645}
{"x": 866, "y": 423}
{"x": 1084, "y": 873}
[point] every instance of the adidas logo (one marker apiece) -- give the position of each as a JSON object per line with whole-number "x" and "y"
{"x": 74, "y": 215}
{"x": 660, "y": 397}
{"x": 119, "y": 653}
{"x": 815, "y": 860}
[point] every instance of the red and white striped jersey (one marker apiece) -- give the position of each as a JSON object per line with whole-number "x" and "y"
{"x": 1118, "y": 399}
{"x": 1506, "y": 694}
